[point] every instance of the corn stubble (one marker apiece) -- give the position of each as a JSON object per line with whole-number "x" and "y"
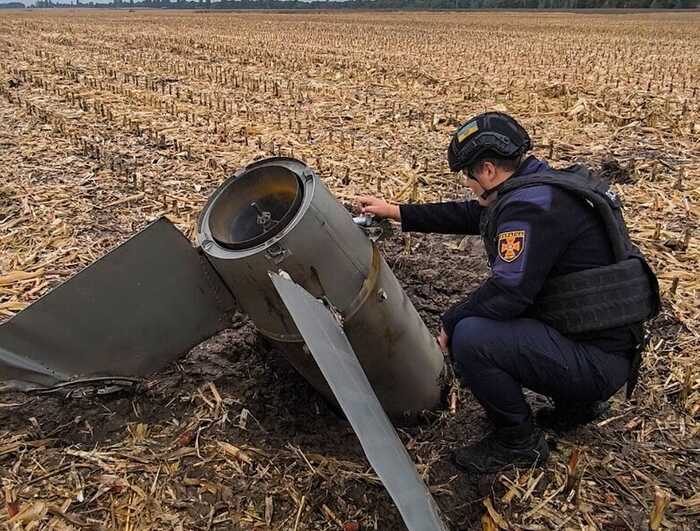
{"x": 112, "y": 119}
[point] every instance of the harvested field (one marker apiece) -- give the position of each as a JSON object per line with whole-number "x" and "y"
{"x": 111, "y": 119}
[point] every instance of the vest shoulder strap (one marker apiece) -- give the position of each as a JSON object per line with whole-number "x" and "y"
{"x": 569, "y": 303}
{"x": 596, "y": 192}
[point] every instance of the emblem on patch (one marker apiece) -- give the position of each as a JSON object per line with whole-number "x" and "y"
{"x": 511, "y": 245}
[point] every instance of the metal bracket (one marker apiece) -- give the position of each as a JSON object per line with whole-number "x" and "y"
{"x": 276, "y": 253}
{"x": 373, "y": 227}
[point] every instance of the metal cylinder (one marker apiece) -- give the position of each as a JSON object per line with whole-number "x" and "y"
{"x": 276, "y": 215}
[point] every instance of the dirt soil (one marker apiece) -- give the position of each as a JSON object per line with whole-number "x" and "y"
{"x": 285, "y": 410}
{"x": 308, "y": 450}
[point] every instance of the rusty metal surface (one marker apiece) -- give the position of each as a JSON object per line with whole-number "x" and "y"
{"x": 130, "y": 313}
{"x": 335, "y": 357}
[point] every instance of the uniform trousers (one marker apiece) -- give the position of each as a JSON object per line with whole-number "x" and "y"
{"x": 497, "y": 359}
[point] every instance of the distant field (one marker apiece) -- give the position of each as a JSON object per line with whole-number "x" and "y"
{"x": 110, "y": 119}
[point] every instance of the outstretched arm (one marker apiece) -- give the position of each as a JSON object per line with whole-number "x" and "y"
{"x": 379, "y": 207}
{"x": 452, "y": 217}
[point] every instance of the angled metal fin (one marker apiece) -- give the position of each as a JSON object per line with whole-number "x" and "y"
{"x": 335, "y": 357}
{"x": 130, "y": 313}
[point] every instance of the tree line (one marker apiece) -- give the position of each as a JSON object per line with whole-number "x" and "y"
{"x": 389, "y": 4}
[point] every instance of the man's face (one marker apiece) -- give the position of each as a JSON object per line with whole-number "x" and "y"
{"x": 472, "y": 184}
{"x": 485, "y": 173}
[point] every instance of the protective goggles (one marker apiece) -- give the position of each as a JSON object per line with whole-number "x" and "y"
{"x": 468, "y": 172}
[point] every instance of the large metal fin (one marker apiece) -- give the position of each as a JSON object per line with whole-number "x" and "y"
{"x": 130, "y": 313}
{"x": 335, "y": 357}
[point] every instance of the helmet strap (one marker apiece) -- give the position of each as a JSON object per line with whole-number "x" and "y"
{"x": 487, "y": 192}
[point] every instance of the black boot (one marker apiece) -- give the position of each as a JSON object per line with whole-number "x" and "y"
{"x": 564, "y": 417}
{"x": 521, "y": 446}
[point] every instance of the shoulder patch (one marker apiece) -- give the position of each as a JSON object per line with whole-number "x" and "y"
{"x": 511, "y": 245}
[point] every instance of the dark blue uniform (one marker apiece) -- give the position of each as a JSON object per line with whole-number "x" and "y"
{"x": 542, "y": 232}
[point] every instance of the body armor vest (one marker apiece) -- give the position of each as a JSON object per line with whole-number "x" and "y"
{"x": 623, "y": 293}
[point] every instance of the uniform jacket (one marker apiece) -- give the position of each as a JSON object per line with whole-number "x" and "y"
{"x": 542, "y": 232}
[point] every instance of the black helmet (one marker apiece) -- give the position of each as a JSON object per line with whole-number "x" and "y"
{"x": 493, "y": 132}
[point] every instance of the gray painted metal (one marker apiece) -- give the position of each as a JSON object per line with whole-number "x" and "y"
{"x": 130, "y": 313}
{"x": 332, "y": 258}
{"x": 334, "y": 355}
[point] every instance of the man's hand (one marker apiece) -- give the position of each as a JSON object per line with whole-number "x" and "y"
{"x": 379, "y": 207}
{"x": 443, "y": 340}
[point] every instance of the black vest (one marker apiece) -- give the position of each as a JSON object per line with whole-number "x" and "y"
{"x": 600, "y": 298}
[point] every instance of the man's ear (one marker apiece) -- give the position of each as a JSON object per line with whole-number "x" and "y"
{"x": 489, "y": 170}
